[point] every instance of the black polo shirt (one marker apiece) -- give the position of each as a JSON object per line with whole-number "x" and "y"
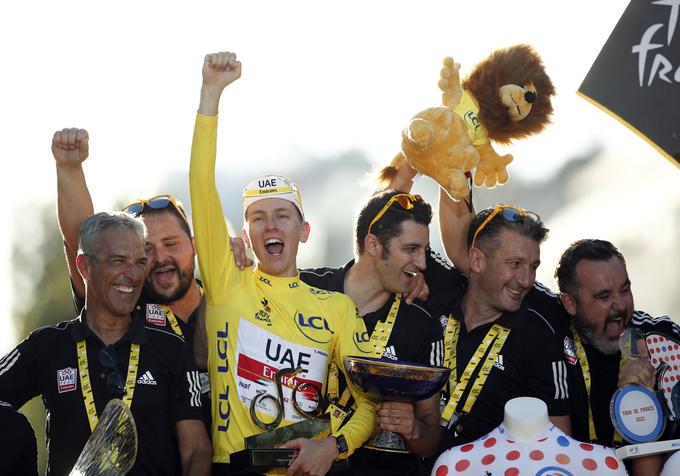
{"x": 166, "y": 391}
{"x": 530, "y": 364}
{"x": 604, "y": 375}
{"x": 416, "y": 337}
{"x": 17, "y": 440}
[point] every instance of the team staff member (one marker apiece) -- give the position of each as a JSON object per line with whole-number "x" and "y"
{"x": 264, "y": 320}
{"x": 17, "y": 440}
{"x": 516, "y": 352}
{"x": 596, "y": 293}
{"x": 170, "y": 281}
{"x": 391, "y": 238}
{"x": 78, "y": 366}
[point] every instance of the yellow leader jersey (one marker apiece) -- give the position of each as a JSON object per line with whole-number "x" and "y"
{"x": 468, "y": 110}
{"x": 258, "y": 324}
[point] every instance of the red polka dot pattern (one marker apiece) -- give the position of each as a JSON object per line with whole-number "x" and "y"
{"x": 512, "y": 455}
{"x": 443, "y": 470}
{"x": 612, "y": 463}
{"x": 536, "y": 455}
{"x": 466, "y": 448}
{"x": 511, "y": 472}
{"x": 586, "y": 446}
{"x": 462, "y": 465}
{"x": 589, "y": 464}
{"x": 490, "y": 442}
{"x": 665, "y": 350}
{"x": 488, "y": 459}
{"x": 562, "y": 458}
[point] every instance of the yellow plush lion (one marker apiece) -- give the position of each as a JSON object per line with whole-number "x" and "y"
{"x": 505, "y": 97}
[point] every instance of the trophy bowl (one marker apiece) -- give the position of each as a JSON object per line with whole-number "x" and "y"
{"x": 394, "y": 381}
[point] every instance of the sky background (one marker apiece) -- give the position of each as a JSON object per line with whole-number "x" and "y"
{"x": 319, "y": 78}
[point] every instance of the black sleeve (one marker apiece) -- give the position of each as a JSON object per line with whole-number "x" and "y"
{"x": 19, "y": 371}
{"x": 17, "y": 439}
{"x": 548, "y": 304}
{"x": 432, "y": 348}
{"x": 546, "y": 367}
{"x": 186, "y": 386}
{"x": 445, "y": 282}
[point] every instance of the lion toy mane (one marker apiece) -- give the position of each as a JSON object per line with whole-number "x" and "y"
{"x": 505, "y": 97}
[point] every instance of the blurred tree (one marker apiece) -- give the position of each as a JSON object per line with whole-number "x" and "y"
{"x": 41, "y": 289}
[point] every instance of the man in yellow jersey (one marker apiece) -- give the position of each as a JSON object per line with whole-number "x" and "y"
{"x": 264, "y": 320}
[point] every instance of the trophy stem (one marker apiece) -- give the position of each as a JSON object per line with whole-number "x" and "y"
{"x": 384, "y": 440}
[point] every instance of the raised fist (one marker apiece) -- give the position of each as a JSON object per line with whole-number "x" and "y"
{"x": 70, "y": 146}
{"x": 221, "y": 69}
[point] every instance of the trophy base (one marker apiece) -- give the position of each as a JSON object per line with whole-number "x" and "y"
{"x": 387, "y": 441}
{"x": 259, "y": 460}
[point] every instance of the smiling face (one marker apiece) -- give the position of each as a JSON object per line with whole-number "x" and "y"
{"x": 274, "y": 232}
{"x": 517, "y": 99}
{"x": 114, "y": 277}
{"x": 505, "y": 276}
{"x": 602, "y": 305}
{"x": 171, "y": 253}
{"x": 404, "y": 256}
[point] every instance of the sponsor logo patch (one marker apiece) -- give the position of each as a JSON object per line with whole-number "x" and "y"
{"x": 146, "y": 379}
{"x": 67, "y": 379}
{"x": 264, "y": 314}
{"x": 155, "y": 315}
{"x": 314, "y": 328}
{"x": 570, "y": 351}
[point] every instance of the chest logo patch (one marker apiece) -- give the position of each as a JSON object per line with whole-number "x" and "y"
{"x": 314, "y": 328}
{"x": 155, "y": 315}
{"x": 570, "y": 351}
{"x": 67, "y": 379}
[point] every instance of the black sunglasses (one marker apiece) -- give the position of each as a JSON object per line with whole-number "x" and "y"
{"x": 115, "y": 382}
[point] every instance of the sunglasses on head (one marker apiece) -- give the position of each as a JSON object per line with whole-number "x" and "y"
{"x": 405, "y": 201}
{"x": 507, "y": 213}
{"x": 158, "y": 202}
{"x": 115, "y": 382}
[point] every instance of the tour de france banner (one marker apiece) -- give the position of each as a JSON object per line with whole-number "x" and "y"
{"x": 636, "y": 77}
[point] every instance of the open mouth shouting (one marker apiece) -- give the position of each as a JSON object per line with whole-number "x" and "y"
{"x": 614, "y": 326}
{"x": 163, "y": 275}
{"x": 274, "y": 246}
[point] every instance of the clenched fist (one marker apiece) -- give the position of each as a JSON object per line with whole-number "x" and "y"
{"x": 70, "y": 146}
{"x": 220, "y": 69}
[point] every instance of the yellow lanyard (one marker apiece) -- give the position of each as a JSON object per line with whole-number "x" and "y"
{"x": 379, "y": 338}
{"x": 86, "y": 386}
{"x": 495, "y": 338}
{"x": 383, "y": 330}
{"x": 172, "y": 319}
{"x": 585, "y": 370}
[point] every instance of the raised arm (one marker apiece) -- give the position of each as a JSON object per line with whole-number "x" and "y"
{"x": 454, "y": 222}
{"x": 70, "y": 148}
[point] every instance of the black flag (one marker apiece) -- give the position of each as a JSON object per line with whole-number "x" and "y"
{"x": 636, "y": 77}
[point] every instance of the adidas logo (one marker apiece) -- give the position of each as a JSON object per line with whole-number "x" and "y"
{"x": 146, "y": 379}
{"x": 390, "y": 353}
{"x": 499, "y": 362}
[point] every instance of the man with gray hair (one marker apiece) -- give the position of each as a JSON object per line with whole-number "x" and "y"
{"x": 110, "y": 352}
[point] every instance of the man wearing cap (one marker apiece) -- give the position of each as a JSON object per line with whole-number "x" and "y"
{"x": 262, "y": 321}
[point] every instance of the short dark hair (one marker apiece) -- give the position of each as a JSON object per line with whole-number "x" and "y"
{"x": 146, "y": 211}
{"x": 588, "y": 249}
{"x": 488, "y": 237}
{"x": 389, "y": 225}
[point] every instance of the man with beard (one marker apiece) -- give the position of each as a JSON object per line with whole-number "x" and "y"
{"x": 595, "y": 291}
{"x": 78, "y": 366}
{"x": 171, "y": 295}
